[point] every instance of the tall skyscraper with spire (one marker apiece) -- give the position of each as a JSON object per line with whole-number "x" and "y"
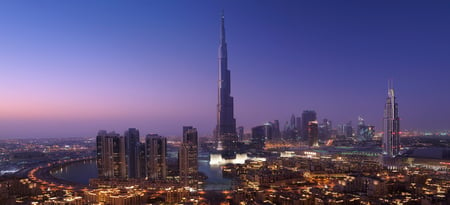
{"x": 225, "y": 131}
{"x": 391, "y": 125}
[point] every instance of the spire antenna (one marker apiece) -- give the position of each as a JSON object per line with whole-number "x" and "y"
{"x": 222, "y": 28}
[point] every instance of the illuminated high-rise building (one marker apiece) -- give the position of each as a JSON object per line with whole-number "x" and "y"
{"x": 111, "y": 161}
{"x": 298, "y": 123}
{"x": 292, "y": 124}
{"x": 132, "y": 145}
{"x": 348, "y": 130}
{"x": 142, "y": 160}
{"x": 313, "y": 134}
{"x": 240, "y": 133}
{"x": 258, "y": 138}
{"x": 364, "y": 132}
{"x": 156, "y": 153}
{"x": 276, "y": 133}
{"x": 225, "y": 131}
{"x": 188, "y": 156}
{"x": 260, "y": 135}
{"x": 391, "y": 125}
{"x": 361, "y": 130}
{"x": 307, "y": 116}
{"x": 325, "y": 129}
{"x": 190, "y": 135}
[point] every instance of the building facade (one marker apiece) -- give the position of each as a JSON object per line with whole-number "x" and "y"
{"x": 156, "y": 155}
{"x": 313, "y": 134}
{"x": 307, "y": 116}
{"x": 111, "y": 162}
{"x": 225, "y": 131}
{"x": 132, "y": 145}
{"x": 391, "y": 125}
{"x": 188, "y": 156}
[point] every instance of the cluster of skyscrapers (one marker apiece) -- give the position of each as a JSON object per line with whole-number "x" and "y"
{"x": 308, "y": 130}
{"x": 299, "y": 129}
{"x": 304, "y": 128}
{"x": 126, "y": 157}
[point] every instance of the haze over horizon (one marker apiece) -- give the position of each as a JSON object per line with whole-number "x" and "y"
{"x": 69, "y": 69}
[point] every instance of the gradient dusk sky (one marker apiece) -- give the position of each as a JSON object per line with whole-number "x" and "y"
{"x": 71, "y": 68}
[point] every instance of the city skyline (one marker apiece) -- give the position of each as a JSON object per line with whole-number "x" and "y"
{"x": 70, "y": 70}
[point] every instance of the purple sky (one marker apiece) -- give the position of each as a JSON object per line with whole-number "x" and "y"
{"x": 70, "y": 68}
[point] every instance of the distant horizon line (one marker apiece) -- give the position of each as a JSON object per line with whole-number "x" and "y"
{"x": 422, "y": 133}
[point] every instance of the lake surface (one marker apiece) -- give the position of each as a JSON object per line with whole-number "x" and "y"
{"x": 81, "y": 172}
{"x": 215, "y": 179}
{"x": 78, "y": 172}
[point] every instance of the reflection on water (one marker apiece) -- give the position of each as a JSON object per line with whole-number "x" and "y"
{"x": 215, "y": 179}
{"x": 81, "y": 173}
